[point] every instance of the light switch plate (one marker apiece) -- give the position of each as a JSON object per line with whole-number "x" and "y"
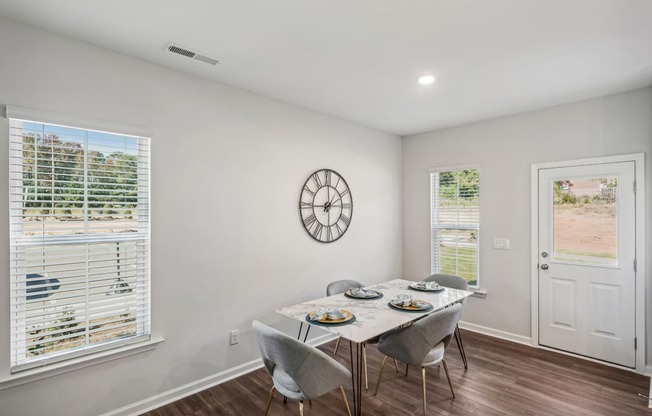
{"x": 501, "y": 243}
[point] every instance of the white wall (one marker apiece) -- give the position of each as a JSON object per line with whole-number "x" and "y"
{"x": 228, "y": 246}
{"x": 506, "y": 148}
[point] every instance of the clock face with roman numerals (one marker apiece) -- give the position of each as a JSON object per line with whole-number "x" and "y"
{"x": 326, "y": 206}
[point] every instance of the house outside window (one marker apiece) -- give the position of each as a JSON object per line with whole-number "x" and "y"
{"x": 80, "y": 241}
{"x": 455, "y": 222}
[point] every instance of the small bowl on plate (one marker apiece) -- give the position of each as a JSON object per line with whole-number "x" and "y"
{"x": 335, "y": 315}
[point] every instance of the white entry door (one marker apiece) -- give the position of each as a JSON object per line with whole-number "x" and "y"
{"x": 587, "y": 260}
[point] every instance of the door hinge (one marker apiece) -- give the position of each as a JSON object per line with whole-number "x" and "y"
{"x": 635, "y": 265}
{"x": 635, "y": 343}
{"x": 634, "y": 186}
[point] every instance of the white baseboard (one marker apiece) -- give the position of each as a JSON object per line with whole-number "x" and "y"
{"x": 180, "y": 392}
{"x": 196, "y": 386}
{"x": 648, "y": 370}
{"x": 496, "y": 333}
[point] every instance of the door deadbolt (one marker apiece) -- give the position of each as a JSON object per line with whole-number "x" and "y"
{"x": 544, "y": 267}
{"x": 544, "y": 254}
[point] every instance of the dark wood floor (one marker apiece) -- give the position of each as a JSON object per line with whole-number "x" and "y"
{"x": 503, "y": 378}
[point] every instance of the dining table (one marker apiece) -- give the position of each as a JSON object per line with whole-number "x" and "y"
{"x": 372, "y": 317}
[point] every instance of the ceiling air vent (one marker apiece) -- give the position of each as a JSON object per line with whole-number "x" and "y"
{"x": 206, "y": 59}
{"x": 190, "y": 54}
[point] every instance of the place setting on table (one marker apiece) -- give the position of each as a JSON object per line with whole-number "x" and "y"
{"x": 426, "y": 286}
{"x": 330, "y": 317}
{"x": 334, "y": 316}
{"x": 407, "y": 303}
{"x": 363, "y": 293}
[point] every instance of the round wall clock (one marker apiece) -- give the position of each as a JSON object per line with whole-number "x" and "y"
{"x": 326, "y": 206}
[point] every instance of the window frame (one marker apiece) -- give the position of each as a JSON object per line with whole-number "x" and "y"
{"x": 432, "y": 174}
{"x": 18, "y": 115}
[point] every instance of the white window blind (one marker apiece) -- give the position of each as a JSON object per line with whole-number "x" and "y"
{"x": 80, "y": 242}
{"x": 455, "y": 223}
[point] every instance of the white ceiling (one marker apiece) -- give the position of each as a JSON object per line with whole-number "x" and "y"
{"x": 359, "y": 59}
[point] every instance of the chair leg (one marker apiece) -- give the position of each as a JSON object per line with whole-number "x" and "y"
{"x": 269, "y": 399}
{"x": 337, "y": 345}
{"x": 346, "y": 402}
{"x": 460, "y": 345}
{"x": 406, "y": 369}
{"x": 301, "y": 408}
{"x": 382, "y": 367}
{"x": 423, "y": 386}
{"x": 396, "y": 365}
{"x": 449, "y": 378}
{"x": 364, "y": 358}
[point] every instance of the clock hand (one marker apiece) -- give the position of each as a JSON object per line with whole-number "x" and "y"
{"x": 329, "y": 204}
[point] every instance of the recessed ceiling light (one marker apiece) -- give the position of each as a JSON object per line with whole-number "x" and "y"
{"x": 426, "y": 79}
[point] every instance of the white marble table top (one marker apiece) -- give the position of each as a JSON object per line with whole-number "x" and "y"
{"x": 374, "y": 317}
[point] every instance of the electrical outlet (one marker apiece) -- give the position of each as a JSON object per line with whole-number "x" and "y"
{"x": 235, "y": 336}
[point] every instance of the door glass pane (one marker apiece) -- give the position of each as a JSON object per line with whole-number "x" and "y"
{"x": 585, "y": 228}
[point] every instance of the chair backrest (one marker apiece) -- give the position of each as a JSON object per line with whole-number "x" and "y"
{"x": 411, "y": 345}
{"x": 341, "y": 286}
{"x": 312, "y": 370}
{"x": 448, "y": 280}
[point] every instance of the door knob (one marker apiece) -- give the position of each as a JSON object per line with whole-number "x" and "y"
{"x": 544, "y": 267}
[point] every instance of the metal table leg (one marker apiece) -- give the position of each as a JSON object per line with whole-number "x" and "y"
{"x": 460, "y": 345}
{"x": 356, "y": 377}
{"x": 307, "y": 331}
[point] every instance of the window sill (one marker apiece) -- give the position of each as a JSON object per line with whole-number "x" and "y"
{"x": 51, "y": 370}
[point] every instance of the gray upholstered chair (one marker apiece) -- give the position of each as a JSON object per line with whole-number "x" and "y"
{"x": 422, "y": 344}
{"x": 341, "y": 286}
{"x": 456, "y": 282}
{"x": 299, "y": 371}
